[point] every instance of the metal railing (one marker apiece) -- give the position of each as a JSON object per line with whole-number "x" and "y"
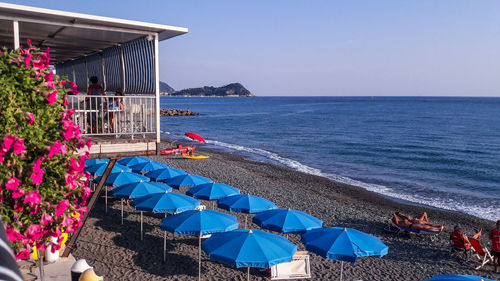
{"x": 114, "y": 115}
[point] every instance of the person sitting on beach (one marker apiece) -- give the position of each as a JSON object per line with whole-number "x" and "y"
{"x": 458, "y": 238}
{"x": 495, "y": 245}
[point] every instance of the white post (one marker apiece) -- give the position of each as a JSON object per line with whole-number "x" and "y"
{"x": 164, "y": 246}
{"x": 16, "y": 34}
{"x": 199, "y": 257}
{"x": 157, "y": 91}
{"x": 341, "y": 269}
{"x": 106, "y": 198}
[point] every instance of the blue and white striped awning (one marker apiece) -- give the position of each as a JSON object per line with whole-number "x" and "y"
{"x": 136, "y": 58}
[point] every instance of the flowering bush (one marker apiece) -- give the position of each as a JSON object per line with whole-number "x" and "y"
{"x": 43, "y": 188}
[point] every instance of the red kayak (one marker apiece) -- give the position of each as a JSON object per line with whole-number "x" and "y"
{"x": 177, "y": 150}
{"x": 195, "y": 137}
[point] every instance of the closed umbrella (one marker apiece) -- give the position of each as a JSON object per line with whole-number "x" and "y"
{"x": 458, "y": 278}
{"x": 197, "y": 222}
{"x": 165, "y": 203}
{"x": 138, "y": 189}
{"x": 344, "y": 244}
{"x": 187, "y": 180}
{"x": 212, "y": 191}
{"x": 133, "y": 160}
{"x": 148, "y": 166}
{"x": 195, "y": 137}
{"x": 165, "y": 174}
{"x": 248, "y": 204}
{"x": 120, "y": 178}
{"x": 249, "y": 248}
{"x": 98, "y": 169}
{"x": 287, "y": 221}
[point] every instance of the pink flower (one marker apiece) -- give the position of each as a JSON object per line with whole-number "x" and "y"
{"x": 34, "y": 231}
{"x": 13, "y": 235}
{"x": 65, "y": 101}
{"x": 52, "y": 97}
{"x": 54, "y": 149}
{"x": 12, "y": 183}
{"x": 16, "y": 194}
{"x": 27, "y": 60}
{"x": 46, "y": 219}
{"x": 33, "y": 198}
{"x": 31, "y": 118}
{"x": 29, "y": 42}
{"x": 61, "y": 207}
{"x": 19, "y": 147}
{"x": 37, "y": 175}
{"x": 49, "y": 77}
{"x": 8, "y": 141}
{"x": 74, "y": 88}
{"x": 86, "y": 193}
{"x": 23, "y": 255}
{"x": 89, "y": 143}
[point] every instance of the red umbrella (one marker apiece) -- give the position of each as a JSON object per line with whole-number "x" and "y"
{"x": 195, "y": 137}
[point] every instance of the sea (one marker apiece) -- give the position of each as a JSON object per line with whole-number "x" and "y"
{"x": 435, "y": 151}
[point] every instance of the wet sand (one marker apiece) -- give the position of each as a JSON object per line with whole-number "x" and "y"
{"x": 117, "y": 252}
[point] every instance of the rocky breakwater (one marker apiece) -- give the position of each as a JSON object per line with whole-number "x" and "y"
{"x": 177, "y": 112}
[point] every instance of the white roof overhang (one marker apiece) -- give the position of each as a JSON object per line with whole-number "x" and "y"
{"x": 71, "y": 35}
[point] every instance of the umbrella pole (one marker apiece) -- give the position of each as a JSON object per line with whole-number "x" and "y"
{"x": 106, "y": 198}
{"x": 341, "y": 269}
{"x": 248, "y": 273}
{"x": 164, "y": 246}
{"x": 122, "y": 210}
{"x": 199, "y": 257}
{"x": 42, "y": 271}
{"x": 141, "y": 226}
{"x": 246, "y": 218}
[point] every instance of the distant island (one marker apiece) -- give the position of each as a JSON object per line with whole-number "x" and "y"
{"x": 230, "y": 90}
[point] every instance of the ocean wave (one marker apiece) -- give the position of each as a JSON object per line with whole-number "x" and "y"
{"x": 486, "y": 212}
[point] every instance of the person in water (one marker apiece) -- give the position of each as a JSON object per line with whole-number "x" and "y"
{"x": 495, "y": 245}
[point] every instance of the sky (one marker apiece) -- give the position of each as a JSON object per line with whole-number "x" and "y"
{"x": 322, "y": 48}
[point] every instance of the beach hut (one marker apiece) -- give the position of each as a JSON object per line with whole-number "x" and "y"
{"x": 123, "y": 54}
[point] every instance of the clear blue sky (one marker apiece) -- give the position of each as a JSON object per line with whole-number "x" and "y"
{"x": 340, "y": 48}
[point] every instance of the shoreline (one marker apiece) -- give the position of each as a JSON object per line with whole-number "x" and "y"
{"x": 117, "y": 252}
{"x": 396, "y": 200}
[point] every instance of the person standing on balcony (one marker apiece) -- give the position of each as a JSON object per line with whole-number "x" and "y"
{"x": 94, "y": 103}
{"x": 115, "y": 105}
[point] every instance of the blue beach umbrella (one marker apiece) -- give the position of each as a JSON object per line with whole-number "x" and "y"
{"x": 90, "y": 162}
{"x": 248, "y": 204}
{"x": 165, "y": 203}
{"x": 344, "y": 244}
{"x": 148, "y": 166}
{"x": 165, "y": 174}
{"x": 287, "y": 221}
{"x": 133, "y": 160}
{"x": 212, "y": 191}
{"x": 98, "y": 169}
{"x": 138, "y": 189}
{"x": 120, "y": 178}
{"x": 458, "y": 278}
{"x": 187, "y": 180}
{"x": 249, "y": 248}
{"x": 197, "y": 222}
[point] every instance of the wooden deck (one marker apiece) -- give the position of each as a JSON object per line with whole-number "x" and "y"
{"x": 110, "y": 146}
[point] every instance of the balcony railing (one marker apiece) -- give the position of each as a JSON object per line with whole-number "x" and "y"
{"x": 132, "y": 116}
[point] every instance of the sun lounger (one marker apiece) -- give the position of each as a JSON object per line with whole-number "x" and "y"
{"x": 402, "y": 224}
{"x": 481, "y": 255}
{"x": 298, "y": 268}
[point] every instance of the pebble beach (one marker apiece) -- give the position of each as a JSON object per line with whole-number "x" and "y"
{"x": 117, "y": 253}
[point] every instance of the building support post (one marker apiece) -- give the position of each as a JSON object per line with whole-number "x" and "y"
{"x": 16, "y": 34}
{"x": 157, "y": 94}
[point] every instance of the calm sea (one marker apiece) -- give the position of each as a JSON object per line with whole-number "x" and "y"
{"x": 442, "y": 152}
